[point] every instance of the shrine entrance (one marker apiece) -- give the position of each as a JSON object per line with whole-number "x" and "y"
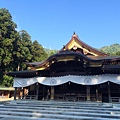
{"x": 105, "y": 92}
{"x": 76, "y": 92}
{"x": 70, "y": 92}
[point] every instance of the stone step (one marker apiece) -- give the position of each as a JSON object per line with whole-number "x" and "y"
{"x": 39, "y": 106}
{"x": 59, "y": 110}
{"x": 51, "y": 101}
{"x": 8, "y": 117}
{"x": 48, "y": 103}
{"x": 60, "y": 103}
{"x": 30, "y": 109}
{"x": 60, "y": 106}
{"x": 65, "y": 115}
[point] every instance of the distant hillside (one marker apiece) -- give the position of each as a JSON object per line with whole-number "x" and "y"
{"x": 113, "y": 49}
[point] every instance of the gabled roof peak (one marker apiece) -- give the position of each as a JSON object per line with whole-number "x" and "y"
{"x": 75, "y": 42}
{"x": 75, "y": 35}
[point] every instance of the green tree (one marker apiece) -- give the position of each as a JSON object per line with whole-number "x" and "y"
{"x": 111, "y": 50}
{"x": 50, "y": 52}
{"x": 8, "y": 81}
{"x": 38, "y": 53}
{"x": 23, "y": 50}
{"x": 118, "y": 53}
{"x": 8, "y": 35}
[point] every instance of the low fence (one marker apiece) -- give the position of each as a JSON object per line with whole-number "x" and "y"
{"x": 27, "y": 97}
{"x": 115, "y": 99}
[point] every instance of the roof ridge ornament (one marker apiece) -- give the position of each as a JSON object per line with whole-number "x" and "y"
{"x": 64, "y": 48}
{"x": 75, "y": 35}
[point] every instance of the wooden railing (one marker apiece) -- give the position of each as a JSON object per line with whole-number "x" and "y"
{"x": 71, "y": 97}
{"x": 29, "y": 97}
{"x": 60, "y": 97}
{"x": 115, "y": 99}
{"x": 81, "y": 97}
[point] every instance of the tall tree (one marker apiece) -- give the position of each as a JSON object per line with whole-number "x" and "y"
{"x": 118, "y": 53}
{"x": 23, "y": 52}
{"x": 38, "y": 52}
{"x": 8, "y": 35}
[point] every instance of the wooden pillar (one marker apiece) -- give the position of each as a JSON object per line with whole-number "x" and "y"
{"x": 97, "y": 94}
{"x": 109, "y": 93}
{"x": 20, "y": 93}
{"x": 88, "y": 92}
{"x": 15, "y": 93}
{"x": 43, "y": 93}
{"x": 52, "y": 93}
{"x": 29, "y": 91}
{"x": 23, "y": 93}
{"x": 37, "y": 90}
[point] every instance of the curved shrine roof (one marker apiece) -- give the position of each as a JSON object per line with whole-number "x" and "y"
{"x": 76, "y": 51}
{"x": 65, "y": 53}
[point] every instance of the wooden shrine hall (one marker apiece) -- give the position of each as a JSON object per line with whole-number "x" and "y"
{"x": 77, "y": 72}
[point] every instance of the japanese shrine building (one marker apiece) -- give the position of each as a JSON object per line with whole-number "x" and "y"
{"x": 77, "y": 72}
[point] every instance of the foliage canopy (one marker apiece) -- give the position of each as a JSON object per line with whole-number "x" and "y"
{"x": 16, "y": 48}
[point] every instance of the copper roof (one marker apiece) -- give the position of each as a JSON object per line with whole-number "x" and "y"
{"x": 111, "y": 67}
{"x": 105, "y": 57}
{"x": 71, "y": 53}
{"x": 84, "y": 45}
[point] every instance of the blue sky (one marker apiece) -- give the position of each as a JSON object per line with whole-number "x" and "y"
{"x": 52, "y": 22}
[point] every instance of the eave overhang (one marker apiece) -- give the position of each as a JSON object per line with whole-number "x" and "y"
{"x": 110, "y": 67}
{"x": 67, "y": 55}
{"x": 24, "y": 73}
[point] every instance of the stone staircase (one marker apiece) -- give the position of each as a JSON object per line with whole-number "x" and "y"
{"x": 54, "y": 110}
